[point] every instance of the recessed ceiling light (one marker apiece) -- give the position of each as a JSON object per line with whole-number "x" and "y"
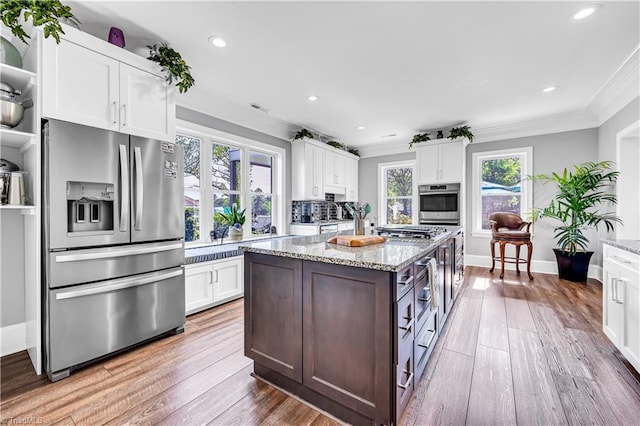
{"x": 360, "y": 127}
{"x": 585, "y": 11}
{"x": 217, "y": 41}
{"x": 549, "y": 89}
{"x": 313, "y": 98}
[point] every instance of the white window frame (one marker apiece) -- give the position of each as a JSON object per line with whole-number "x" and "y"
{"x": 526, "y": 169}
{"x": 382, "y": 195}
{"x": 209, "y": 136}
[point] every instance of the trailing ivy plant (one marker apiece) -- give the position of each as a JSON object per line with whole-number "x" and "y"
{"x": 46, "y": 13}
{"x": 354, "y": 151}
{"x": 172, "y": 61}
{"x": 302, "y": 133}
{"x": 335, "y": 144}
{"x": 461, "y": 132}
{"x": 418, "y": 138}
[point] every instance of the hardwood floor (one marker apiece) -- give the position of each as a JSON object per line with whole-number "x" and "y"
{"x": 513, "y": 351}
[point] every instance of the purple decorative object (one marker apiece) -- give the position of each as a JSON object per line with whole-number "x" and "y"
{"x": 116, "y": 36}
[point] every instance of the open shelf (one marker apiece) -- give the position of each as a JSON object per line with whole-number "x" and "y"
{"x": 17, "y": 139}
{"x": 18, "y": 78}
{"x": 25, "y": 210}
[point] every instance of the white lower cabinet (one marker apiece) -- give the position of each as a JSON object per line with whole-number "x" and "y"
{"x": 211, "y": 283}
{"x": 621, "y": 302}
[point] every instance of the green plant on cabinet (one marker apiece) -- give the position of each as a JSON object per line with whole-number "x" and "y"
{"x": 172, "y": 61}
{"x": 45, "y": 13}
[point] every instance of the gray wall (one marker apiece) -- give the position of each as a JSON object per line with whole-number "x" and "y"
{"x": 551, "y": 153}
{"x": 245, "y": 132}
{"x": 368, "y": 178}
{"x": 607, "y": 132}
{"x": 607, "y": 149}
{"x": 12, "y": 257}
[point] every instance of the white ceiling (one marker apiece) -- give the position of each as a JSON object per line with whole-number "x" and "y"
{"x": 393, "y": 67}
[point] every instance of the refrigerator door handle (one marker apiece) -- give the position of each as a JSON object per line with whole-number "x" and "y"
{"x": 137, "y": 153}
{"x": 124, "y": 188}
{"x": 119, "y": 284}
{"x": 116, "y": 253}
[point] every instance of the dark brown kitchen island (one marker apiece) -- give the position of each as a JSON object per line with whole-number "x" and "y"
{"x": 348, "y": 329}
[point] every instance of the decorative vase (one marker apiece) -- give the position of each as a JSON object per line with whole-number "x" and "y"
{"x": 235, "y": 234}
{"x": 573, "y": 268}
{"x": 9, "y": 54}
{"x": 116, "y": 37}
{"x": 440, "y": 135}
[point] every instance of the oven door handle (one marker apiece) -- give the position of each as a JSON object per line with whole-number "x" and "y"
{"x": 124, "y": 188}
{"x": 119, "y": 284}
{"x": 440, "y": 193}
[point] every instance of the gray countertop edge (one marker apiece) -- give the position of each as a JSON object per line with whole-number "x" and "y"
{"x": 632, "y": 246}
{"x": 334, "y": 261}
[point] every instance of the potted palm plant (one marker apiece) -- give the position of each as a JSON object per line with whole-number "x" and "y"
{"x": 235, "y": 219}
{"x": 579, "y": 194}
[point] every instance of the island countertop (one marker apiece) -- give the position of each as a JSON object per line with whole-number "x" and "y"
{"x": 392, "y": 255}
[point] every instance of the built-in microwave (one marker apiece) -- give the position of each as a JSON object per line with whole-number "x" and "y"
{"x": 440, "y": 204}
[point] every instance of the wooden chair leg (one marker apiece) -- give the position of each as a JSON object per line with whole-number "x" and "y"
{"x": 517, "y": 259}
{"x": 502, "y": 244}
{"x": 529, "y": 252}
{"x": 493, "y": 256}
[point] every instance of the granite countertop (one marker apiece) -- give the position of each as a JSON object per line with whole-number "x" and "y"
{"x": 392, "y": 255}
{"x": 632, "y": 246}
{"x": 216, "y": 251}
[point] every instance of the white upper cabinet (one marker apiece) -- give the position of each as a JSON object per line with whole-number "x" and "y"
{"x": 145, "y": 108}
{"x": 86, "y": 81}
{"x": 307, "y": 166}
{"x": 318, "y": 169}
{"x": 80, "y": 85}
{"x": 334, "y": 171}
{"x": 351, "y": 180}
{"x": 440, "y": 162}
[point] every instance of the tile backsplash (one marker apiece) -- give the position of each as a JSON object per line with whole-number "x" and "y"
{"x": 322, "y": 210}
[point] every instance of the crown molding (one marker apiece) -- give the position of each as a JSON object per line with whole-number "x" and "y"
{"x": 233, "y": 112}
{"x": 556, "y": 123}
{"x": 620, "y": 89}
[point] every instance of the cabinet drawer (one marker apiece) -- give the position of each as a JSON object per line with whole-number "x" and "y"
{"x": 404, "y": 378}
{"x": 422, "y": 301}
{"x": 405, "y": 320}
{"x": 622, "y": 258}
{"x": 423, "y": 344}
{"x": 404, "y": 281}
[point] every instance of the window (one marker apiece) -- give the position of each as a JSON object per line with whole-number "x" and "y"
{"x": 192, "y": 189}
{"x": 500, "y": 185}
{"x": 397, "y": 200}
{"x": 234, "y": 171}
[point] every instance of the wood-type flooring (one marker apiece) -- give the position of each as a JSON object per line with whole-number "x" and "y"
{"x": 512, "y": 352}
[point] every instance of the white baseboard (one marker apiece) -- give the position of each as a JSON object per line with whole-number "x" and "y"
{"x": 540, "y": 266}
{"x": 13, "y": 338}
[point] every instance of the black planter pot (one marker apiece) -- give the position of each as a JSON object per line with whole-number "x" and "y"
{"x": 573, "y": 268}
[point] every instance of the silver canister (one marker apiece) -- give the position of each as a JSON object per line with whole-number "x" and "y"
{"x": 17, "y": 194}
{"x": 358, "y": 225}
{"x": 5, "y": 177}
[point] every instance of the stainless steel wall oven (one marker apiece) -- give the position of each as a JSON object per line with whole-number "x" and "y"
{"x": 439, "y": 204}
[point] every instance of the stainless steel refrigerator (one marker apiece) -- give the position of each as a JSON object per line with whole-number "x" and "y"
{"x": 113, "y": 243}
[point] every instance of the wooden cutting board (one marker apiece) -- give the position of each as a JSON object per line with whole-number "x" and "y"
{"x": 356, "y": 240}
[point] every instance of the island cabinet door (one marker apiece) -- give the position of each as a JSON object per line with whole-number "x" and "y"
{"x": 273, "y": 313}
{"x": 347, "y": 337}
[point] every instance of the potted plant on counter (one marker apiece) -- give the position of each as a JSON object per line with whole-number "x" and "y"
{"x": 579, "y": 194}
{"x": 235, "y": 218}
